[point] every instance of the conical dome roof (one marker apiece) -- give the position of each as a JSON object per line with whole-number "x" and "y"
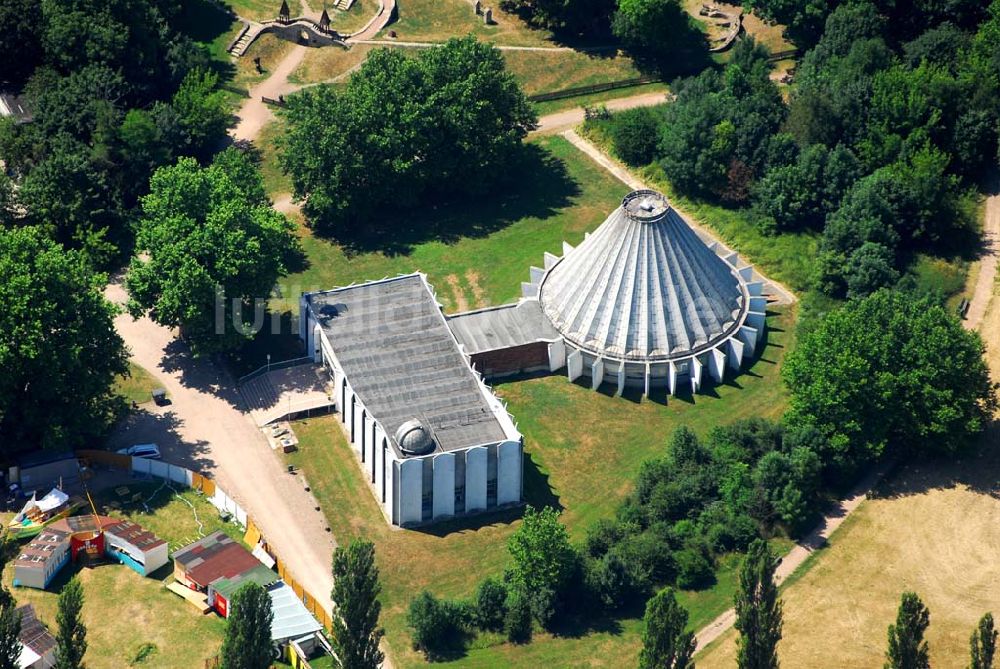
{"x": 643, "y": 287}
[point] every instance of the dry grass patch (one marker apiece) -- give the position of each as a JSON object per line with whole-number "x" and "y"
{"x": 271, "y": 50}
{"x": 329, "y": 65}
{"x": 933, "y": 529}
{"x": 544, "y": 72}
{"x": 263, "y": 10}
{"x": 437, "y": 20}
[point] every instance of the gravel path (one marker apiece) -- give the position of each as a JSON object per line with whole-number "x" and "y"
{"x": 254, "y": 114}
{"x": 205, "y": 428}
{"x": 562, "y": 120}
{"x": 798, "y": 555}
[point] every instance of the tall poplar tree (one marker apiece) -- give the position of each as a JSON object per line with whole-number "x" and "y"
{"x": 71, "y": 639}
{"x": 356, "y": 632}
{"x": 665, "y": 644}
{"x": 983, "y": 644}
{"x": 758, "y": 610}
{"x": 248, "y": 642}
{"x": 907, "y": 648}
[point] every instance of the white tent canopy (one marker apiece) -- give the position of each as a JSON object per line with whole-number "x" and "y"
{"x": 53, "y": 500}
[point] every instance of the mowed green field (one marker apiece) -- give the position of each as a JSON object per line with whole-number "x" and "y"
{"x": 583, "y": 450}
{"x": 477, "y": 253}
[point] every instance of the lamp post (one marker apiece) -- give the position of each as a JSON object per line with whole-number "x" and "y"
{"x": 268, "y": 363}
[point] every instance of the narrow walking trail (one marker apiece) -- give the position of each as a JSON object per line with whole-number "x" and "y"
{"x": 798, "y": 555}
{"x": 986, "y": 280}
{"x": 254, "y": 114}
{"x": 569, "y": 118}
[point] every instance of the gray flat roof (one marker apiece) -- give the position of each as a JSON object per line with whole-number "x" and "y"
{"x": 501, "y": 327}
{"x": 399, "y": 356}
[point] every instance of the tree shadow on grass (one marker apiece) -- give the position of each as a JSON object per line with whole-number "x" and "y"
{"x": 977, "y": 469}
{"x": 205, "y": 22}
{"x": 536, "y": 185}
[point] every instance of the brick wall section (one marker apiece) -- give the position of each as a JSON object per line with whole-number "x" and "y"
{"x": 512, "y": 360}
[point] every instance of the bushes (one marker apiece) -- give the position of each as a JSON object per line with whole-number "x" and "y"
{"x": 437, "y": 625}
{"x": 634, "y": 135}
{"x": 491, "y": 604}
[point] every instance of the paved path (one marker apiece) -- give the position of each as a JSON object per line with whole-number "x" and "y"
{"x": 988, "y": 266}
{"x": 771, "y": 287}
{"x": 798, "y": 555}
{"x": 254, "y": 114}
{"x": 386, "y": 10}
{"x": 205, "y": 428}
{"x": 569, "y": 118}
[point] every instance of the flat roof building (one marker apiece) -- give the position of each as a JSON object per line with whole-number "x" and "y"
{"x": 41, "y": 559}
{"x": 433, "y": 439}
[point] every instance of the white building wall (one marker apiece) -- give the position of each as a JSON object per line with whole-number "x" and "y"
{"x": 574, "y": 365}
{"x": 717, "y": 364}
{"x": 508, "y": 472}
{"x": 390, "y": 474}
{"x": 411, "y": 481}
{"x": 475, "y": 479}
{"x": 557, "y": 355}
{"x": 735, "y": 353}
{"x": 444, "y": 485}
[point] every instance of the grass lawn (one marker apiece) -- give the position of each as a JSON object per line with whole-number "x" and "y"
{"x": 545, "y": 72}
{"x": 262, "y": 10}
{"x": 137, "y": 386}
{"x": 437, "y": 20}
{"x": 559, "y": 196}
{"x": 129, "y": 617}
{"x": 324, "y": 65}
{"x": 934, "y": 528}
{"x": 596, "y": 99}
{"x": 355, "y": 18}
{"x": 578, "y": 442}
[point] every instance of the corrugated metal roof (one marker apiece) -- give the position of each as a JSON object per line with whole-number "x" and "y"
{"x": 643, "y": 287}
{"x": 291, "y": 618}
{"x": 502, "y": 327}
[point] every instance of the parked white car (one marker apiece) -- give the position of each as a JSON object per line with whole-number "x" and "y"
{"x": 150, "y": 451}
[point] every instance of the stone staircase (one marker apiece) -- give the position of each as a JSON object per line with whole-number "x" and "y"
{"x": 343, "y": 5}
{"x": 240, "y": 46}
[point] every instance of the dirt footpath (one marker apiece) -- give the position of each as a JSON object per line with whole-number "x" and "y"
{"x": 205, "y": 428}
{"x": 570, "y": 118}
{"x": 254, "y": 114}
{"x": 988, "y": 269}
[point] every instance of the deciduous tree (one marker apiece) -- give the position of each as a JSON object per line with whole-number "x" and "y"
{"x": 889, "y": 371}
{"x": 58, "y": 346}
{"x": 212, "y": 249}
